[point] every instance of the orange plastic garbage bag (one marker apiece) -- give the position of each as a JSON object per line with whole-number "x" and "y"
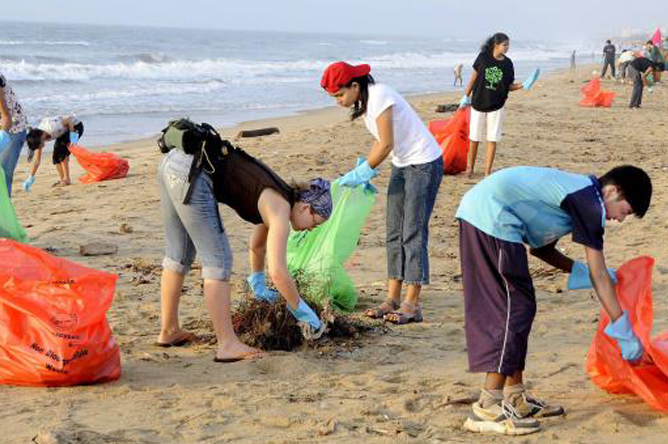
{"x": 594, "y": 97}
{"x": 53, "y": 330}
{"x": 453, "y": 137}
{"x": 605, "y": 365}
{"x": 99, "y": 166}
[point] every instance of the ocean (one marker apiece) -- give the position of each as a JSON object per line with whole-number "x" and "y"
{"x": 125, "y": 83}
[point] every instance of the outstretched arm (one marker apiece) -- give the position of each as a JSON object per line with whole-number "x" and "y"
{"x": 381, "y": 148}
{"x": 469, "y": 86}
{"x": 603, "y": 285}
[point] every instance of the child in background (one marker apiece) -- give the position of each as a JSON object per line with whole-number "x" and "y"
{"x": 534, "y": 206}
{"x": 457, "y": 70}
{"x": 13, "y": 126}
{"x": 493, "y": 77}
{"x": 64, "y": 130}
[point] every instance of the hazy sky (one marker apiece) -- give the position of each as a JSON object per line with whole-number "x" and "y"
{"x": 566, "y": 20}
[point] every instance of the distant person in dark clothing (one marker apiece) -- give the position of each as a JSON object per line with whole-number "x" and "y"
{"x": 573, "y": 61}
{"x": 640, "y": 69}
{"x": 608, "y": 58}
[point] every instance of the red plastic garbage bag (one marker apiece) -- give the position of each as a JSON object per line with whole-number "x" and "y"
{"x": 53, "y": 330}
{"x": 453, "y": 136}
{"x": 594, "y": 97}
{"x": 100, "y": 166}
{"x": 605, "y": 365}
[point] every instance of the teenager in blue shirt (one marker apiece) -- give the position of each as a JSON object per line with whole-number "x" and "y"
{"x": 534, "y": 206}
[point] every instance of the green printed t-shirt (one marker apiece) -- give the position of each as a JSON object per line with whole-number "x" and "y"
{"x": 492, "y": 84}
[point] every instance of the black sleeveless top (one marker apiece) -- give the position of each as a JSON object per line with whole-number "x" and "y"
{"x": 240, "y": 179}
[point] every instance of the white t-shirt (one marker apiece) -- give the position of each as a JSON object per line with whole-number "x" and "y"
{"x": 54, "y": 125}
{"x": 413, "y": 143}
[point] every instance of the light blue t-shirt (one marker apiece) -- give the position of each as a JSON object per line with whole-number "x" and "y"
{"x": 536, "y": 206}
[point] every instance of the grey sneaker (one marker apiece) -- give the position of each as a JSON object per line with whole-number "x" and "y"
{"x": 501, "y": 418}
{"x": 528, "y": 407}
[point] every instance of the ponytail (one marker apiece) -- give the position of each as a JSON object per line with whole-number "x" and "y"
{"x": 359, "y": 108}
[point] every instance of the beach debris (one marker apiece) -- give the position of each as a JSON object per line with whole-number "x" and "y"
{"x": 125, "y": 229}
{"x": 73, "y": 433}
{"x": 258, "y": 132}
{"x": 270, "y": 326}
{"x": 329, "y": 428}
{"x": 97, "y": 249}
{"x": 447, "y": 108}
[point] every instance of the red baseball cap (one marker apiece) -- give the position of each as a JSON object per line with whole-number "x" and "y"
{"x": 340, "y": 74}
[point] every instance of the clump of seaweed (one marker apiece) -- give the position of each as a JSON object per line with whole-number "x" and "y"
{"x": 270, "y": 326}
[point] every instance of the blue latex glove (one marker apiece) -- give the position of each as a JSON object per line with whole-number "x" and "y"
{"x": 304, "y": 313}
{"x": 579, "y": 278}
{"x": 359, "y": 175}
{"x": 528, "y": 83}
{"x": 622, "y": 332}
{"x": 74, "y": 137}
{"x": 258, "y": 284}
{"x": 28, "y": 183}
{"x": 464, "y": 101}
{"x": 4, "y": 140}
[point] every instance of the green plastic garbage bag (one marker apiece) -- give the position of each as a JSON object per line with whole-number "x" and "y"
{"x": 317, "y": 256}
{"x": 9, "y": 226}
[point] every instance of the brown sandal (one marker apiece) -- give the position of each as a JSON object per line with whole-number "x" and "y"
{"x": 404, "y": 316}
{"x": 387, "y": 306}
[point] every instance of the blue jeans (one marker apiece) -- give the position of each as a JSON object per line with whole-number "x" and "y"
{"x": 411, "y": 194}
{"x": 193, "y": 228}
{"x": 10, "y": 157}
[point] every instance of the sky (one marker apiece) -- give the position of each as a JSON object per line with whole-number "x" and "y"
{"x": 565, "y": 20}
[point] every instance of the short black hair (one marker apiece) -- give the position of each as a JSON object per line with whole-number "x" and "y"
{"x": 34, "y": 138}
{"x": 634, "y": 185}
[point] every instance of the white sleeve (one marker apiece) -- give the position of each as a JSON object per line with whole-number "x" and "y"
{"x": 380, "y": 99}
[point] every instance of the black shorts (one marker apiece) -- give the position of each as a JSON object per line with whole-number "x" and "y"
{"x": 60, "y": 147}
{"x": 499, "y": 301}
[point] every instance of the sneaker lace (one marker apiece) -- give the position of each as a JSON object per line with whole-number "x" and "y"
{"x": 509, "y": 411}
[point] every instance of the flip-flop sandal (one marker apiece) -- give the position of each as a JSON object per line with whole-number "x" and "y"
{"x": 180, "y": 342}
{"x": 242, "y": 357}
{"x": 380, "y": 311}
{"x": 405, "y": 317}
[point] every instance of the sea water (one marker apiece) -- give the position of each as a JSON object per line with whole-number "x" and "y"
{"x": 127, "y": 82}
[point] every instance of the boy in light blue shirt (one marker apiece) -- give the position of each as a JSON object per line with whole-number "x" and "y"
{"x": 534, "y": 206}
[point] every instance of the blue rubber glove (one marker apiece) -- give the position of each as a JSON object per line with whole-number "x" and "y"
{"x": 74, "y": 137}
{"x": 4, "y": 140}
{"x": 28, "y": 183}
{"x": 464, "y": 101}
{"x": 528, "y": 83}
{"x": 258, "y": 284}
{"x": 622, "y": 332}
{"x": 359, "y": 175}
{"x": 579, "y": 278}
{"x": 304, "y": 313}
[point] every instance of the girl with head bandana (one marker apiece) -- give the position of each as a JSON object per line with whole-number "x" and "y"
{"x": 417, "y": 170}
{"x": 260, "y": 197}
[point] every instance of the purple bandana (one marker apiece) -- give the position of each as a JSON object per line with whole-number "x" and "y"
{"x": 318, "y": 197}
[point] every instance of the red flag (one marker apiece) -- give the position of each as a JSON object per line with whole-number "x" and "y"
{"x": 656, "y": 38}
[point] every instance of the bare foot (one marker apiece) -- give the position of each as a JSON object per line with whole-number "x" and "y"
{"x": 177, "y": 338}
{"x": 237, "y": 351}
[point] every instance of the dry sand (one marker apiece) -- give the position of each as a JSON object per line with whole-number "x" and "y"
{"x": 410, "y": 385}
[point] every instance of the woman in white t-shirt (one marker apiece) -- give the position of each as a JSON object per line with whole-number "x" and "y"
{"x": 417, "y": 170}
{"x": 64, "y": 130}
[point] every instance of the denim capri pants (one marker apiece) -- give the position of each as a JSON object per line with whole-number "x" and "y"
{"x": 193, "y": 228}
{"x": 411, "y": 194}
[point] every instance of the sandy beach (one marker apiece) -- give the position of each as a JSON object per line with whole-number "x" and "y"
{"x": 408, "y": 385}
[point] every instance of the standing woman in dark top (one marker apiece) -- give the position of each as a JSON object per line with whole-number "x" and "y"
{"x": 493, "y": 77}
{"x": 259, "y": 196}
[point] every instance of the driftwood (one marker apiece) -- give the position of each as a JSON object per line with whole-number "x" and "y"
{"x": 258, "y": 132}
{"x": 446, "y": 108}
